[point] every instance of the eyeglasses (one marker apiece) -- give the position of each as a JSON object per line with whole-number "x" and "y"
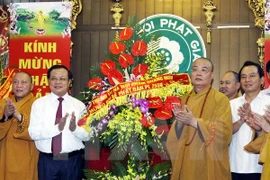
{"x": 54, "y": 79}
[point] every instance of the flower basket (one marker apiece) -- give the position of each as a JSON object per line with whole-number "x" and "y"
{"x": 130, "y": 107}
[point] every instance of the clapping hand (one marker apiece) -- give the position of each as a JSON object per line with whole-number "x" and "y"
{"x": 184, "y": 116}
{"x": 246, "y": 115}
{"x": 267, "y": 112}
{"x": 263, "y": 121}
{"x": 72, "y": 125}
{"x": 253, "y": 121}
{"x": 62, "y": 122}
{"x": 9, "y": 108}
{"x": 260, "y": 123}
{"x": 245, "y": 112}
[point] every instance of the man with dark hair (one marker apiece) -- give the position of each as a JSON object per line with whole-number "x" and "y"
{"x": 244, "y": 165}
{"x": 199, "y": 138}
{"x": 267, "y": 68}
{"x": 53, "y": 127}
{"x": 18, "y": 153}
{"x": 230, "y": 85}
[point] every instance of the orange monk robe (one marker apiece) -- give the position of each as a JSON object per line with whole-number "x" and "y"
{"x": 261, "y": 145}
{"x": 206, "y": 157}
{"x": 18, "y": 153}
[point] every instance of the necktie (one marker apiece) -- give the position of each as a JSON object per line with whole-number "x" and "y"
{"x": 57, "y": 140}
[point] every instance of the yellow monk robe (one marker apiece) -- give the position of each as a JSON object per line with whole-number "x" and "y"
{"x": 18, "y": 153}
{"x": 261, "y": 145}
{"x": 206, "y": 156}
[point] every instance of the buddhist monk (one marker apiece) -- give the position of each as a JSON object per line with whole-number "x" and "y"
{"x": 199, "y": 138}
{"x": 230, "y": 85}
{"x": 18, "y": 154}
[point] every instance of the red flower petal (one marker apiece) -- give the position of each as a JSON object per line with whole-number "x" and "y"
{"x": 165, "y": 128}
{"x": 163, "y": 113}
{"x": 117, "y": 47}
{"x": 107, "y": 66}
{"x": 125, "y": 60}
{"x": 154, "y": 102}
{"x": 125, "y": 34}
{"x": 139, "y": 48}
{"x": 115, "y": 77}
{"x": 170, "y": 100}
{"x": 147, "y": 121}
{"x": 140, "y": 69}
{"x": 95, "y": 83}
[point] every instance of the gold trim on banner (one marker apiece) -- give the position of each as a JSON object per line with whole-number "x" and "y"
{"x": 257, "y": 7}
{"x": 4, "y": 15}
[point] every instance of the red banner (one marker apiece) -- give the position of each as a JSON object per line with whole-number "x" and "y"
{"x": 39, "y": 38}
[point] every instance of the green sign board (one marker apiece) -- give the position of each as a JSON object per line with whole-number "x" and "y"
{"x": 179, "y": 41}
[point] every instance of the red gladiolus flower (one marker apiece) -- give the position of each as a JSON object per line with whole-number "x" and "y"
{"x": 107, "y": 66}
{"x": 147, "y": 121}
{"x": 82, "y": 121}
{"x": 140, "y": 69}
{"x": 95, "y": 83}
{"x": 154, "y": 102}
{"x": 125, "y": 60}
{"x": 117, "y": 47}
{"x": 126, "y": 34}
{"x": 115, "y": 77}
{"x": 170, "y": 101}
{"x": 139, "y": 48}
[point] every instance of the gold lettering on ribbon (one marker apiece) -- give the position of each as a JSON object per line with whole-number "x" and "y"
{"x": 5, "y": 89}
{"x": 129, "y": 88}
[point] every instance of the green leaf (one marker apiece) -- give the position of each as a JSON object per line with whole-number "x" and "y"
{"x": 137, "y": 150}
{"x": 95, "y": 70}
{"x": 160, "y": 171}
{"x": 118, "y": 169}
{"x": 90, "y": 174}
{"x": 149, "y": 139}
{"x": 114, "y": 141}
{"x": 119, "y": 152}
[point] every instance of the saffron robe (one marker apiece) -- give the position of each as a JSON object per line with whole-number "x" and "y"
{"x": 203, "y": 153}
{"x": 18, "y": 153}
{"x": 261, "y": 145}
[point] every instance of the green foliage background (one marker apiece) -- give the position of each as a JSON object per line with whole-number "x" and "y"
{"x": 53, "y": 23}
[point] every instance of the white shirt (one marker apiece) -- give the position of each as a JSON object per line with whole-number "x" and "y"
{"x": 242, "y": 161}
{"x": 266, "y": 91}
{"x": 42, "y": 123}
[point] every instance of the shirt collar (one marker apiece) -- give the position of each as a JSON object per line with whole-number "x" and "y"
{"x": 55, "y": 97}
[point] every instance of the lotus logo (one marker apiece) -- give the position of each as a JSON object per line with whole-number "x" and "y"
{"x": 180, "y": 42}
